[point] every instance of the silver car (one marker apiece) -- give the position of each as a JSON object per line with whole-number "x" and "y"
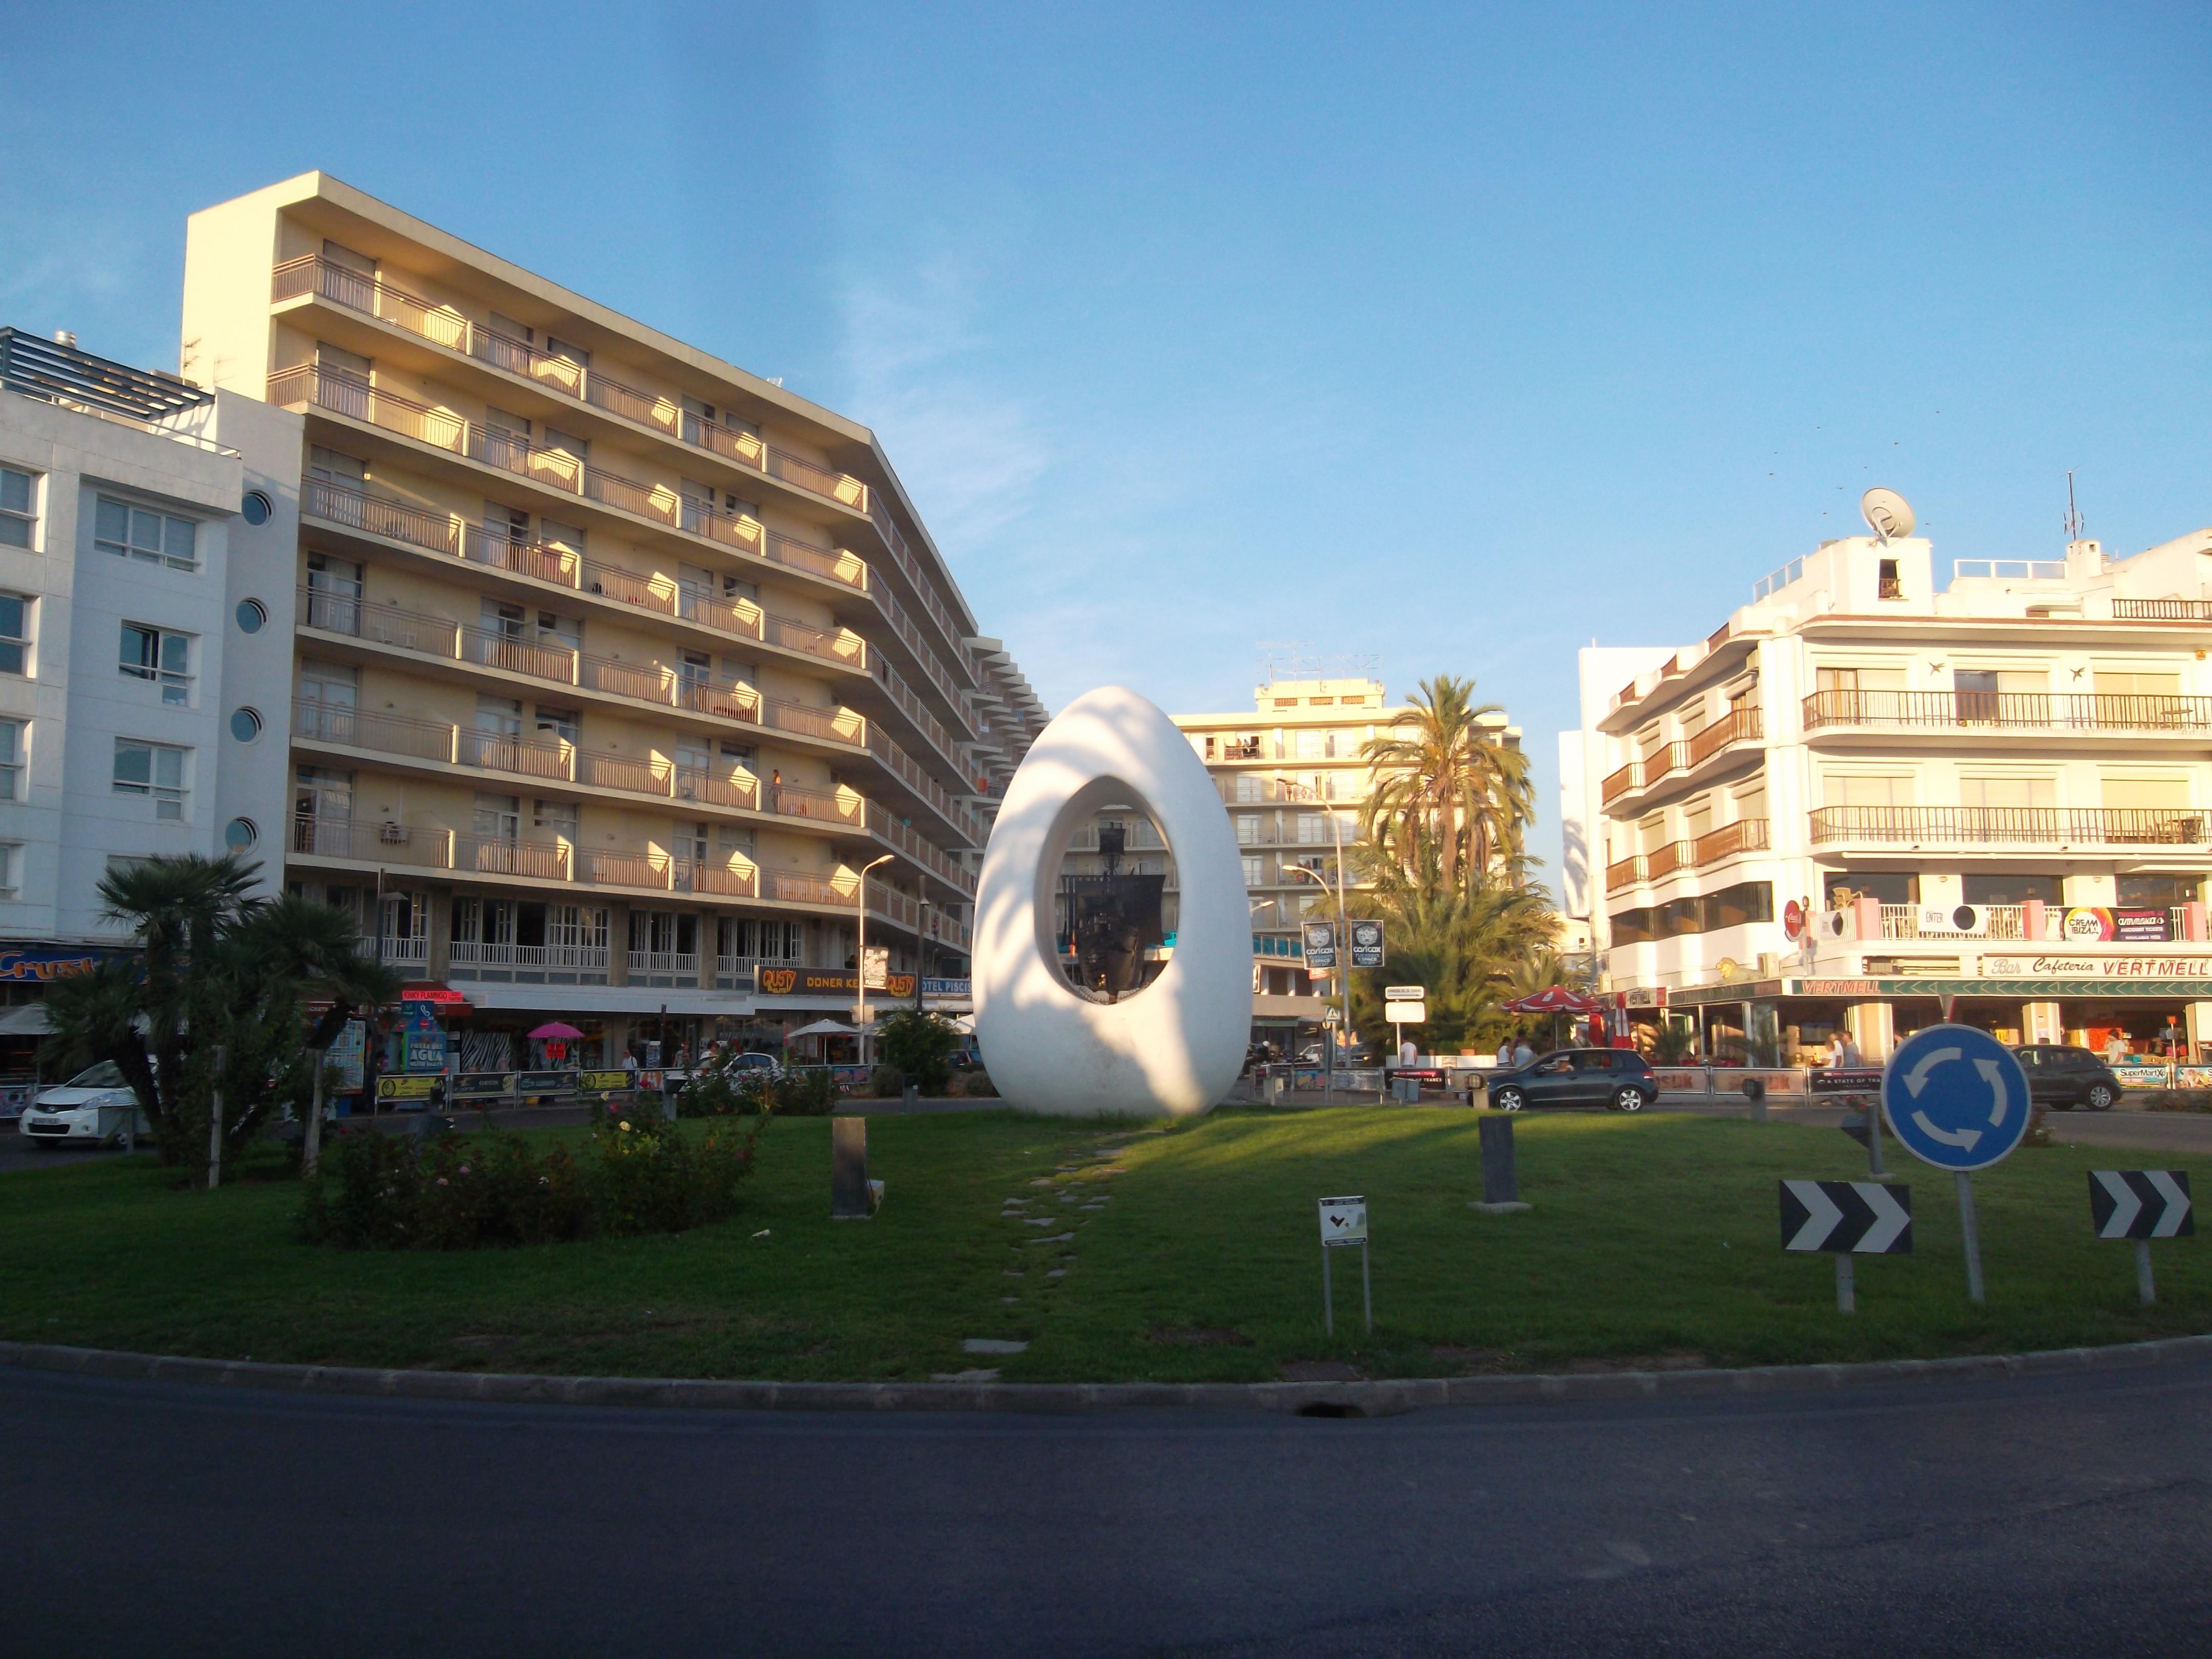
{"x": 93, "y": 1109}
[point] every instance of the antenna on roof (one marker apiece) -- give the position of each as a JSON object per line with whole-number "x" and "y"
{"x": 2075, "y": 524}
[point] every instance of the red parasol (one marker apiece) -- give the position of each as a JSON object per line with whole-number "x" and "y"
{"x": 554, "y": 1030}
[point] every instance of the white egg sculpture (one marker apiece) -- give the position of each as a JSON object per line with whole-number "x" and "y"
{"x": 1172, "y": 1048}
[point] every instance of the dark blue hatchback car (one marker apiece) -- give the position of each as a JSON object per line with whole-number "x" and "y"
{"x": 1618, "y": 1079}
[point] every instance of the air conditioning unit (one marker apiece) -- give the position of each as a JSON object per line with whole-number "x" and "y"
{"x": 1966, "y": 920}
{"x": 1835, "y": 924}
{"x": 1769, "y": 964}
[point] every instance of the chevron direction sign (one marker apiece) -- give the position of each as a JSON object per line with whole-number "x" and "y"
{"x": 2141, "y": 1203}
{"x": 1858, "y": 1218}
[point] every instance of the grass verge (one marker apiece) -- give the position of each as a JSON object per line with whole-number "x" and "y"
{"x": 1183, "y": 1253}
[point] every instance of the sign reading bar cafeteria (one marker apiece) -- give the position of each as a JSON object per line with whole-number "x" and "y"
{"x": 2083, "y": 984}
{"x": 812, "y": 981}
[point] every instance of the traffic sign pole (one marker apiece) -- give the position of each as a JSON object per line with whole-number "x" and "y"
{"x": 1846, "y": 1302}
{"x": 1970, "y": 1235}
{"x": 1367, "y": 1286}
{"x": 2144, "y": 1287}
{"x": 1327, "y": 1296}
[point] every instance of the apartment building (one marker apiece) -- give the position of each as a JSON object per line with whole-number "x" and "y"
{"x": 1864, "y": 802}
{"x": 1293, "y": 782}
{"x": 623, "y": 680}
{"x": 147, "y": 530}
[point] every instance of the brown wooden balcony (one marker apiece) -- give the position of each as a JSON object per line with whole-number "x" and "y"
{"x": 1737, "y": 725}
{"x": 1683, "y": 757}
{"x": 2163, "y": 609}
{"x": 822, "y": 805}
{"x": 2011, "y": 826}
{"x": 1745, "y": 835}
{"x": 2015, "y": 711}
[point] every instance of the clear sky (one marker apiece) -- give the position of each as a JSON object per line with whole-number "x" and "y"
{"x": 1459, "y": 336}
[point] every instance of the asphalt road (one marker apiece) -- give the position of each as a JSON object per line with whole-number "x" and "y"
{"x": 2057, "y": 1517}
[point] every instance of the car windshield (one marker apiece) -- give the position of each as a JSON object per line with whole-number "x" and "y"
{"x": 106, "y": 1075}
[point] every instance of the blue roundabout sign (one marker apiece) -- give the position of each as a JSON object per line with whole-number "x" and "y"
{"x": 1956, "y": 1098}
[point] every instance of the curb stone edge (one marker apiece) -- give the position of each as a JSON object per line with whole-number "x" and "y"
{"x": 1383, "y": 1397}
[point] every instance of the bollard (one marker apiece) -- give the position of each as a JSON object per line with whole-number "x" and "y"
{"x": 1755, "y": 1091}
{"x": 1501, "y": 1186}
{"x": 849, "y": 1169}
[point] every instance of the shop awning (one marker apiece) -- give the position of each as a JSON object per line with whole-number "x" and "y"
{"x": 28, "y": 1019}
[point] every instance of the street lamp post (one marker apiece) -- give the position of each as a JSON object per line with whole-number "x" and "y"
{"x": 861, "y": 954}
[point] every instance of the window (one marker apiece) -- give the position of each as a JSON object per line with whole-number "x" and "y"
{"x": 1888, "y": 586}
{"x": 1248, "y": 829}
{"x": 1313, "y": 829}
{"x": 134, "y": 532}
{"x": 15, "y": 635}
{"x": 498, "y": 817}
{"x": 323, "y": 792}
{"x": 554, "y": 817}
{"x": 1857, "y": 790}
{"x": 246, "y": 724}
{"x": 1253, "y": 874}
{"x": 15, "y": 518}
{"x": 11, "y": 869}
{"x": 155, "y": 770}
{"x": 2010, "y": 793}
{"x": 156, "y": 654}
{"x": 256, "y": 508}
{"x": 1247, "y": 787}
{"x": 561, "y": 723}
{"x": 240, "y": 834}
{"x": 329, "y": 466}
{"x": 2000, "y": 888}
{"x": 13, "y": 735}
{"x": 252, "y": 616}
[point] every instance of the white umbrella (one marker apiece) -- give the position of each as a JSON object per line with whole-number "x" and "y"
{"x": 823, "y": 1027}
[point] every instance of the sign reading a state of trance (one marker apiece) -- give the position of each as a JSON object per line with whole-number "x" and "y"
{"x": 1956, "y": 1096}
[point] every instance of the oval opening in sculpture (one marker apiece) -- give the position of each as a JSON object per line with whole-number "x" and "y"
{"x": 1112, "y": 914}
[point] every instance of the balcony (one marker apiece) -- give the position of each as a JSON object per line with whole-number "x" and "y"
{"x": 736, "y": 973}
{"x": 1683, "y": 757}
{"x": 820, "y": 805}
{"x": 2011, "y": 921}
{"x": 347, "y": 395}
{"x": 373, "y": 843}
{"x": 499, "y": 855}
{"x": 731, "y": 880}
{"x": 2010, "y": 826}
{"x": 396, "y": 952}
{"x": 647, "y": 871}
{"x": 443, "y": 326}
{"x": 2015, "y": 711}
{"x": 2163, "y": 609}
{"x": 1745, "y": 835}
{"x": 474, "y": 953}
{"x": 681, "y": 964}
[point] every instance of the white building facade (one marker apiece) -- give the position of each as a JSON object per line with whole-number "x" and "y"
{"x": 146, "y": 529}
{"x": 1862, "y": 804}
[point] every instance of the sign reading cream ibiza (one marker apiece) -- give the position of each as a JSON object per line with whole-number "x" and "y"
{"x": 1174, "y": 1046}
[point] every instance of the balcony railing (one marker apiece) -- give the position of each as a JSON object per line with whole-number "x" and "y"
{"x": 898, "y": 761}
{"x": 474, "y": 953}
{"x": 1738, "y": 725}
{"x": 444, "y": 326}
{"x": 525, "y": 757}
{"x": 2057, "y": 826}
{"x": 612, "y": 869}
{"x": 1745, "y": 835}
{"x": 735, "y": 973}
{"x": 797, "y": 887}
{"x": 831, "y": 725}
{"x": 641, "y": 774}
{"x": 739, "y": 789}
{"x": 2163, "y": 609}
{"x": 824, "y": 806}
{"x": 2024, "y": 711}
{"x": 387, "y": 734}
{"x": 733, "y": 879}
{"x": 399, "y": 953}
{"x": 497, "y": 855}
{"x": 891, "y": 832}
{"x": 684, "y": 964}
{"x": 2010, "y": 921}
{"x": 388, "y": 842}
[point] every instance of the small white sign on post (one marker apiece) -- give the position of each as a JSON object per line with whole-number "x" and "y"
{"x": 1406, "y": 1004}
{"x": 1343, "y": 1221}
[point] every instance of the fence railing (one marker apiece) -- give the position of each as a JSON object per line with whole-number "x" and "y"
{"x": 2163, "y": 609}
{"x": 445, "y": 325}
{"x": 2016, "y": 710}
{"x": 387, "y": 842}
{"x": 2063, "y": 826}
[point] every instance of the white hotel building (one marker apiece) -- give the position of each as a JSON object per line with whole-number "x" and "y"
{"x": 1861, "y": 801}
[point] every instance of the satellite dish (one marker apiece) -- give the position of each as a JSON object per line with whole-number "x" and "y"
{"x": 1888, "y": 513}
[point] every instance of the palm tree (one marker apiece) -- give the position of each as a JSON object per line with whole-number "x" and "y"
{"x": 219, "y": 971}
{"x": 1445, "y": 777}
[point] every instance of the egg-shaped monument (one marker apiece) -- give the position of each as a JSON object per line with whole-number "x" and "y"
{"x": 1171, "y": 1047}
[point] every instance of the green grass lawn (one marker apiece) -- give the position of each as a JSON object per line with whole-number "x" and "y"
{"x": 1194, "y": 1255}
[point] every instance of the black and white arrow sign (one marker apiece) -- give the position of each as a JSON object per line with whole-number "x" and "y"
{"x": 2141, "y": 1203}
{"x": 1863, "y": 1217}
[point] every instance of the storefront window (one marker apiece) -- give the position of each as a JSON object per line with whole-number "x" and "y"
{"x": 1890, "y": 886}
{"x": 2014, "y": 888}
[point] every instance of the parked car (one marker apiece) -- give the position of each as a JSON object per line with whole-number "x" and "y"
{"x": 1619, "y": 1079}
{"x": 92, "y": 1108}
{"x": 2059, "y": 1076}
{"x": 754, "y": 1061}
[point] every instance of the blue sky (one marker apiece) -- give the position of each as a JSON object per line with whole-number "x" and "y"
{"x": 1459, "y": 336}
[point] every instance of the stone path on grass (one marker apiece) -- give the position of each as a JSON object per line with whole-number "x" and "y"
{"x": 1073, "y": 1196}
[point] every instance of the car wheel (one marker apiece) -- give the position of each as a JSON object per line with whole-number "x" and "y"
{"x": 1628, "y": 1099}
{"x": 2101, "y": 1097}
{"x": 1505, "y": 1100}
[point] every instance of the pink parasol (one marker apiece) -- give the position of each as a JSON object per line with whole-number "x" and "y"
{"x": 555, "y": 1031}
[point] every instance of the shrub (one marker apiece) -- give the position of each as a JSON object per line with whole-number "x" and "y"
{"x": 811, "y": 1092}
{"x": 920, "y": 1044}
{"x": 722, "y": 1088}
{"x": 637, "y": 1175}
{"x": 976, "y": 1084}
{"x": 887, "y": 1083}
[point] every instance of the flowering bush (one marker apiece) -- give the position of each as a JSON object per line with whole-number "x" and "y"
{"x": 722, "y": 1088}
{"x": 635, "y": 1176}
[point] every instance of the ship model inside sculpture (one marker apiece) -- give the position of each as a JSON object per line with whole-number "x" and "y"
{"x": 1113, "y": 922}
